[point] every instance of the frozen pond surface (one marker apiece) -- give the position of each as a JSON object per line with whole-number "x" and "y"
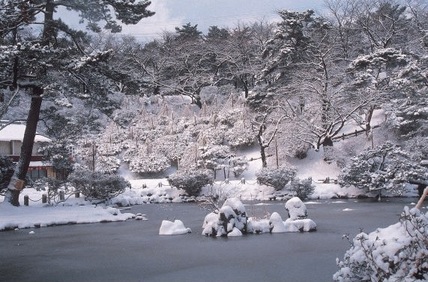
{"x": 133, "y": 250}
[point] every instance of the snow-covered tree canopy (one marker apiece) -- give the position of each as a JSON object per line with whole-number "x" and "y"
{"x": 386, "y": 167}
{"x": 57, "y": 63}
{"x": 60, "y": 59}
{"x": 310, "y": 75}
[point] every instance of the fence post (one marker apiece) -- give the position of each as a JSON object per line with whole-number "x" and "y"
{"x": 44, "y": 199}
{"x": 61, "y": 195}
{"x": 26, "y": 200}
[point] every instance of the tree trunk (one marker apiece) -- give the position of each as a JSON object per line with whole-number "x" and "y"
{"x": 262, "y": 146}
{"x": 368, "y": 120}
{"x": 328, "y": 149}
{"x": 263, "y": 155}
{"x": 18, "y": 180}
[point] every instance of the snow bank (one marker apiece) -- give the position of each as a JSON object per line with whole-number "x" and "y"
{"x": 27, "y": 217}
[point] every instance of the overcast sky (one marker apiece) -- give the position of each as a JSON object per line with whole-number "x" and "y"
{"x": 206, "y": 13}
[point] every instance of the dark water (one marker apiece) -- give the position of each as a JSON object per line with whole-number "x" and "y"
{"x": 133, "y": 250}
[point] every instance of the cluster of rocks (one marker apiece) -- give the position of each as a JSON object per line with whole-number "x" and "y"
{"x": 231, "y": 220}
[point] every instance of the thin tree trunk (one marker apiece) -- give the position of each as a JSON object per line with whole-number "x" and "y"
{"x": 262, "y": 146}
{"x": 263, "y": 155}
{"x": 18, "y": 180}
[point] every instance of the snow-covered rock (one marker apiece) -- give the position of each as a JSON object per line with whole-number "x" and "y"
{"x": 300, "y": 225}
{"x": 230, "y": 216}
{"x": 296, "y": 208}
{"x": 173, "y": 228}
{"x": 276, "y": 223}
{"x": 298, "y": 220}
{"x": 258, "y": 226}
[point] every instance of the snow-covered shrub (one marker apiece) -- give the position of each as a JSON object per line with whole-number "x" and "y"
{"x": 220, "y": 157}
{"x": 6, "y": 171}
{"x": 98, "y": 185}
{"x": 191, "y": 181}
{"x": 302, "y": 188}
{"x": 408, "y": 116}
{"x": 385, "y": 167}
{"x": 396, "y": 253}
{"x": 301, "y": 150}
{"x": 107, "y": 164}
{"x": 58, "y": 153}
{"x": 213, "y": 157}
{"x": 142, "y": 161}
{"x": 238, "y": 165}
{"x": 276, "y": 177}
{"x": 418, "y": 147}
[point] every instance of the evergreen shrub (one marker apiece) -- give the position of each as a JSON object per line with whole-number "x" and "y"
{"x": 191, "y": 181}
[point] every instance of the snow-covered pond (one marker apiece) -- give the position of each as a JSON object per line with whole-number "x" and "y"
{"x": 134, "y": 250}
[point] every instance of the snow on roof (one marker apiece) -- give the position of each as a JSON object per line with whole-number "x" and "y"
{"x": 15, "y": 132}
{"x": 40, "y": 164}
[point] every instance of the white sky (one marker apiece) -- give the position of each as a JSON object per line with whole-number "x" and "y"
{"x": 206, "y": 13}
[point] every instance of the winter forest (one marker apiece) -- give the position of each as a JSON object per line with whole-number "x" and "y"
{"x": 189, "y": 105}
{"x": 193, "y": 101}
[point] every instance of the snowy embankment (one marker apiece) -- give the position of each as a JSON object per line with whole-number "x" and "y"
{"x": 77, "y": 210}
{"x": 37, "y": 216}
{"x": 143, "y": 191}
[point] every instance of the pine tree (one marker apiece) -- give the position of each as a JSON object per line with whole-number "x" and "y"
{"x": 41, "y": 64}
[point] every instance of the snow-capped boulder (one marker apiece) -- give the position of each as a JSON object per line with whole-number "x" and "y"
{"x": 296, "y": 208}
{"x": 300, "y": 225}
{"x": 235, "y": 232}
{"x": 230, "y": 216}
{"x": 173, "y": 228}
{"x": 276, "y": 223}
{"x": 232, "y": 220}
{"x": 257, "y": 226}
{"x": 298, "y": 220}
{"x": 210, "y": 225}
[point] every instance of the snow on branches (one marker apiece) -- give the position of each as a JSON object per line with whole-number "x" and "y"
{"x": 395, "y": 253}
{"x": 387, "y": 167}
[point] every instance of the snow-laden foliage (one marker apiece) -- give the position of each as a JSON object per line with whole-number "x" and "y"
{"x": 276, "y": 177}
{"x": 384, "y": 167}
{"x": 191, "y": 181}
{"x": 96, "y": 185}
{"x": 220, "y": 157}
{"x": 166, "y": 133}
{"x": 380, "y": 58}
{"x": 301, "y": 188}
{"x": 395, "y": 253}
{"x": 59, "y": 154}
{"x": 6, "y": 171}
{"x": 408, "y": 117}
